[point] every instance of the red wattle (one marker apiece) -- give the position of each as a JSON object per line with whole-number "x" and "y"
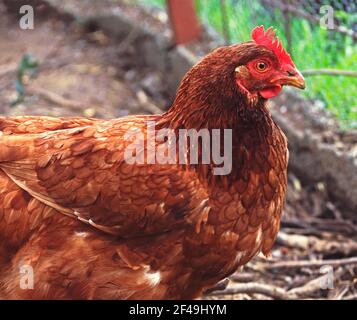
{"x": 270, "y": 92}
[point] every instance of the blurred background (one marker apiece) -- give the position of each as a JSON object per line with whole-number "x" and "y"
{"x": 111, "y": 58}
{"x": 298, "y": 25}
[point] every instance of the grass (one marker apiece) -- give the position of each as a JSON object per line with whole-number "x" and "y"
{"x": 312, "y": 48}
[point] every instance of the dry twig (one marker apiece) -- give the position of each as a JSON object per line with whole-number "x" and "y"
{"x": 243, "y": 277}
{"x": 329, "y": 72}
{"x": 258, "y": 288}
{"x": 56, "y": 98}
{"x": 310, "y": 264}
{"x": 61, "y": 101}
{"x": 317, "y": 245}
{"x": 308, "y": 288}
{"x": 146, "y": 103}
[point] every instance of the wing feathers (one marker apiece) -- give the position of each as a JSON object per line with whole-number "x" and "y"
{"x": 81, "y": 172}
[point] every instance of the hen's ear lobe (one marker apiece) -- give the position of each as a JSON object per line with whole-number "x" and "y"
{"x": 241, "y": 71}
{"x": 241, "y": 74}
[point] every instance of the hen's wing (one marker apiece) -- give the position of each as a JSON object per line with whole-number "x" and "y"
{"x": 36, "y": 124}
{"x": 78, "y": 168}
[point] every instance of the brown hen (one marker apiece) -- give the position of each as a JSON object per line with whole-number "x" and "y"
{"x": 91, "y": 225}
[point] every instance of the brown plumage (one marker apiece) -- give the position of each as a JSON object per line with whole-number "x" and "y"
{"x": 93, "y": 226}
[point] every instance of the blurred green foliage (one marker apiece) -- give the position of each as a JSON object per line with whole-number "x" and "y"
{"x": 27, "y": 66}
{"x": 313, "y": 47}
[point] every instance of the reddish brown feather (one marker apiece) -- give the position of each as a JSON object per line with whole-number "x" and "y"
{"x": 94, "y": 226}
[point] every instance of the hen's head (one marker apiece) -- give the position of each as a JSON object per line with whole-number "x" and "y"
{"x": 267, "y": 66}
{"x": 256, "y": 69}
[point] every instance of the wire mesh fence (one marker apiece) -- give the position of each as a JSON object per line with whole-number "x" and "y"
{"x": 319, "y": 35}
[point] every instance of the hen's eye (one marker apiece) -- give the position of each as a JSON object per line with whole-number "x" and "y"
{"x": 261, "y": 66}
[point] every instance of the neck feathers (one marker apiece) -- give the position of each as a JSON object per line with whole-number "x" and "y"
{"x": 251, "y": 126}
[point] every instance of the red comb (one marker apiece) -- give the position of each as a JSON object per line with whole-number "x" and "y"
{"x": 267, "y": 38}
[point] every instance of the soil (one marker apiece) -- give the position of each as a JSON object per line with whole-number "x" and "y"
{"x": 81, "y": 66}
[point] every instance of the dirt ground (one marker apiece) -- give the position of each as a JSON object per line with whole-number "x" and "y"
{"x": 83, "y": 72}
{"x": 86, "y": 70}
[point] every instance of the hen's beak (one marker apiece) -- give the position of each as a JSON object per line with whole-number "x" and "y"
{"x": 293, "y": 78}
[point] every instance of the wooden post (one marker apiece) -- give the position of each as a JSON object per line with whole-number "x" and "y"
{"x": 184, "y": 21}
